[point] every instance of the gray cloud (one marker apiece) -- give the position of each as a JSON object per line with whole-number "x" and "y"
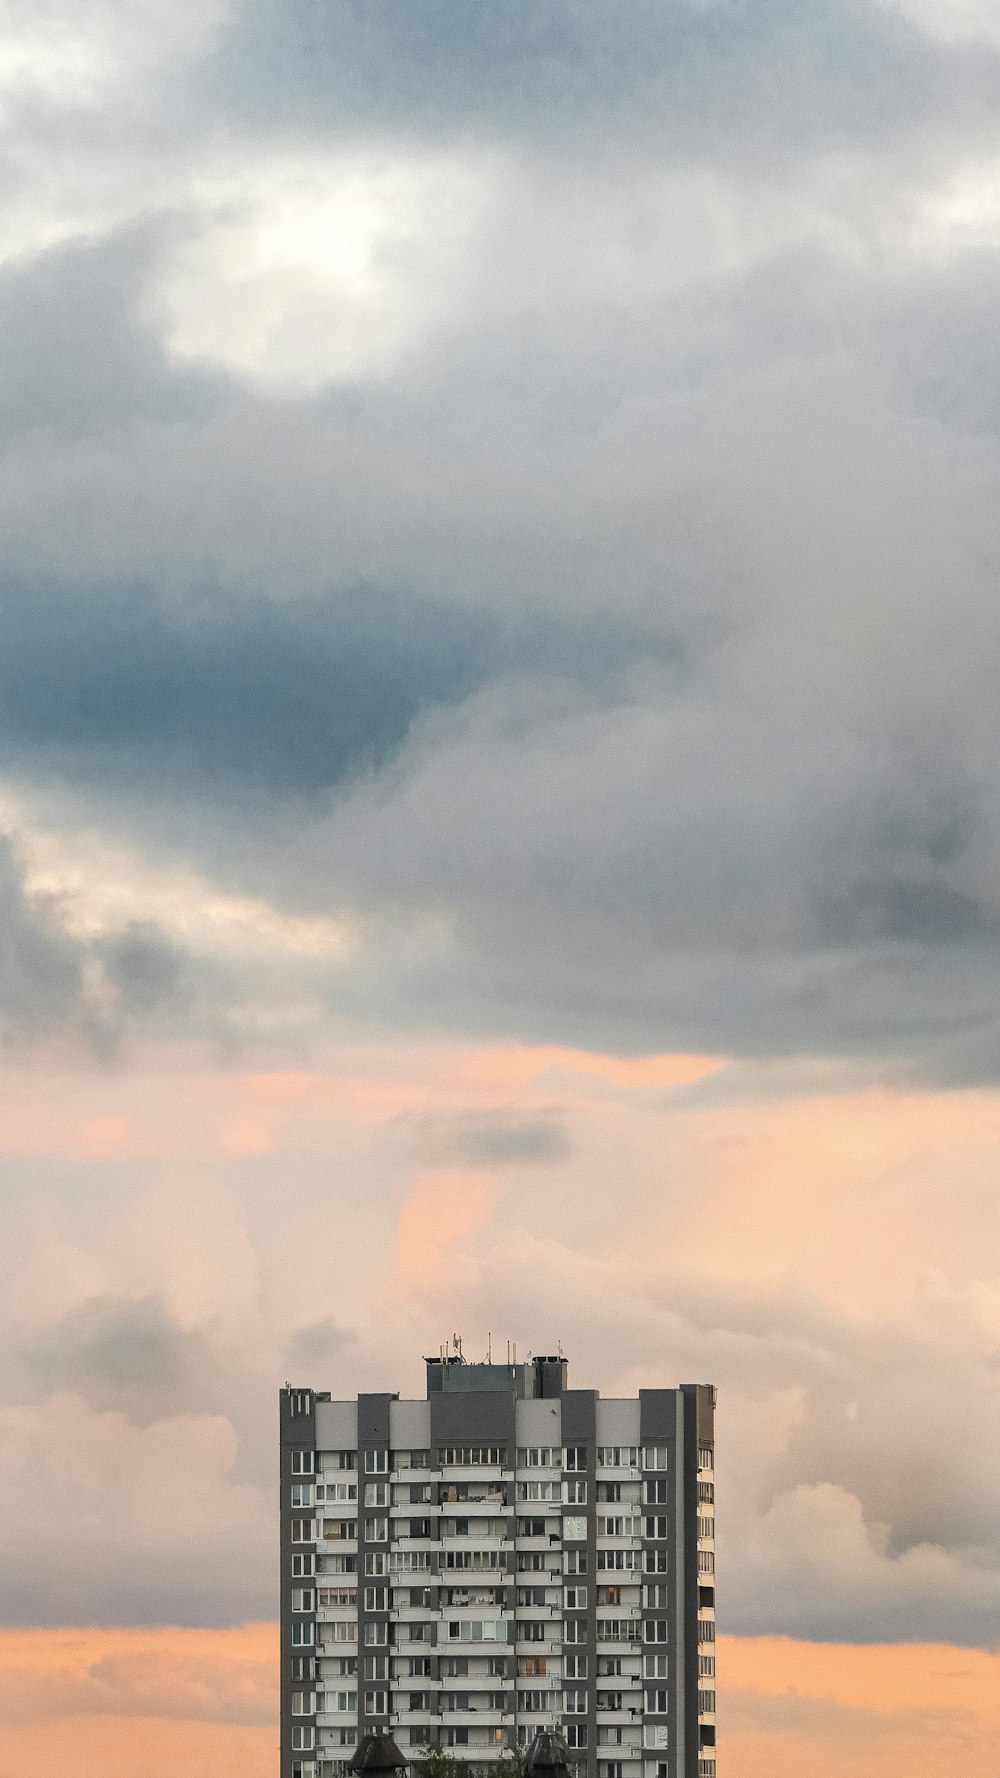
{"x": 127, "y": 1355}
{"x": 318, "y": 1344}
{"x": 497, "y": 1139}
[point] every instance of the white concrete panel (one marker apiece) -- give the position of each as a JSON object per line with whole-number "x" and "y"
{"x": 538, "y": 1422}
{"x": 336, "y": 1425}
{"x": 617, "y": 1422}
{"x": 410, "y": 1425}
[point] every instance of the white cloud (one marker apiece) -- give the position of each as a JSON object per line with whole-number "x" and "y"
{"x": 306, "y": 270}
{"x": 73, "y": 53}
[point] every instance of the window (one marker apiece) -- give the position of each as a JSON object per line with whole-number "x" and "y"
{"x": 706, "y": 1562}
{"x": 303, "y": 1666}
{"x": 609, "y": 1666}
{"x": 654, "y": 1491}
{"x": 532, "y": 1666}
{"x": 609, "y": 1595}
{"x": 469, "y": 1456}
{"x": 609, "y": 1768}
{"x": 302, "y": 1531}
{"x": 706, "y": 1630}
{"x": 656, "y": 1527}
{"x": 575, "y": 1493}
{"x": 616, "y": 1560}
{"x": 576, "y": 1701}
{"x": 618, "y": 1457}
{"x": 706, "y": 1457}
{"x": 300, "y": 1402}
{"x": 706, "y": 1527}
{"x": 377, "y": 1635}
{"x": 609, "y": 1736}
{"x": 538, "y": 1457}
{"x": 419, "y": 1701}
{"x": 340, "y": 1530}
{"x": 343, "y": 1667}
{"x": 610, "y": 1701}
{"x": 302, "y": 1599}
{"x": 465, "y": 1630}
{"x": 706, "y": 1666}
{"x": 376, "y": 1561}
{"x": 657, "y": 1596}
{"x": 706, "y": 1598}
{"x": 576, "y": 1734}
{"x": 376, "y": 1530}
{"x": 575, "y": 1598}
{"x": 376, "y": 1493}
{"x": 575, "y": 1529}
{"x": 575, "y": 1457}
{"x": 655, "y": 1736}
{"x": 302, "y": 1632}
{"x": 410, "y": 1561}
{"x": 341, "y": 1632}
{"x": 411, "y": 1460}
{"x": 706, "y": 1703}
{"x": 376, "y": 1463}
{"x": 339, "y": 1565}
{"x": 376, "y": 1703}
{"x": 614, "y": 1629}
{"x": 479, "y": 1560}
{"x": 331, "y": 1492}
{"x": 303, "y": 1564}
{"x": 655, "y": 1561}
{"x": 417, "y": 1528}
{"x": 575, "y": 1666}
{"x": 304, "y": 1768}
{"x": 376, "y": 1598}
{"x": 706, "y": 1492}
{"x": 329, "y": 1596}
{"x": 303, "y": 1737}
{"x": 530, "y": 1596}
{"x": 607, "y": 1491}
{"x": 657, "y": 1703}
{"x": 530, "y": 1528}
{"x": 654, "y": 1629}
{"x": 303, "y": 1703}
{"x": 302, "y": 1493}
{"x": 538, "y": 1490}
{"x": 706, "y": 1768}
{"x": 341, "y": 1703}
{"x": 654, "y": 1666}
{"x": 575, "y": 1562}
{"x": 655, "y": 1456}
{"x": 532, "y": 1632}
{"x": 458, "y": 1737}
{"x": 619, "y": 1525}
{"x": 303, "y": 1462}
{"x": 575, "y": 1630}
{"x": 534, "y": 1703}
{"x": 339, "y": 1460}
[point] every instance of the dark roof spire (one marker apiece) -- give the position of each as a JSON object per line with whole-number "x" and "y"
{"x": 548, "y": 1754}
{"x": 376, "y": 1753}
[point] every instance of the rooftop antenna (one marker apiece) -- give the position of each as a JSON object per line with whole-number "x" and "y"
{"x": 489, "y": 1347}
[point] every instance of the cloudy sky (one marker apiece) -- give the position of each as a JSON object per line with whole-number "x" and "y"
{"x": 500, "y": 810}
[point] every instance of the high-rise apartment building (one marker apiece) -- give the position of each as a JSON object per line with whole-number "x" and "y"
{"x": 506, "y": 1555}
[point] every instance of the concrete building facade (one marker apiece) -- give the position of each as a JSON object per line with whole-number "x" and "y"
{"x": 506, "y": 1555}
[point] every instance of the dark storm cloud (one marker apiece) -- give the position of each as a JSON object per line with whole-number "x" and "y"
{"x": 556, "y": 70}
{"x": 126, "y": 1355}
{"x": 317, "y": 1344}
{"x": 78, "y": 358}
{"x": 489, "y": 1140}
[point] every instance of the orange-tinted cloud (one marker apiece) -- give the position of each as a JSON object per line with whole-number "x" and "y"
{"x": 108, "y": 1703}
{"x": 818, "y": 1710}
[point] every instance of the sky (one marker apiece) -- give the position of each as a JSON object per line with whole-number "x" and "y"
{"x": 500, "y": 811}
